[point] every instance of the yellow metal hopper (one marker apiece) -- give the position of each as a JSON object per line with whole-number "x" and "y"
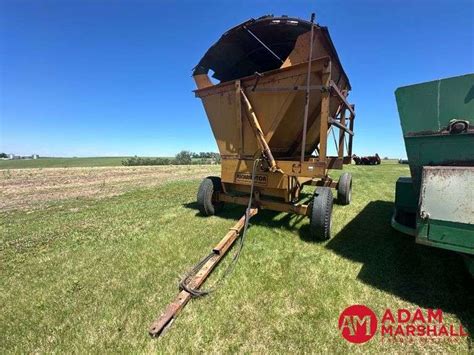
{"x": 282, "y": 88}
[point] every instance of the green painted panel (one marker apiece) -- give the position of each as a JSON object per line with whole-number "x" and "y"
{"x": 404, "y": 214}
{"x": 425, "y": 111}
{"x": 405, "y": 198}
{"x": 446, "y": 235}
{"x": 438, "y": 150}
{"x": 452, "y": 233}
{"x": 430, "y": 106}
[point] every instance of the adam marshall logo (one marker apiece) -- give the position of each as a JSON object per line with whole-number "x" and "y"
{"x": 358, "y": 324}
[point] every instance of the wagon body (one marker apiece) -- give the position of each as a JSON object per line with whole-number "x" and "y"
{"x": 263, "y": 66}
{"x": 273, "y": 108}
{"x": 436, "y": 204}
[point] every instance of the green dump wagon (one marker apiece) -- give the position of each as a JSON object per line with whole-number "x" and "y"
{"x": 436, "y": 204}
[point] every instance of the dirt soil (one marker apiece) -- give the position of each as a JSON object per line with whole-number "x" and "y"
{"x": 35, "y": 188}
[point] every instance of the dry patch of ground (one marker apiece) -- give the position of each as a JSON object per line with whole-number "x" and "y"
{"x": 34, "y": 188}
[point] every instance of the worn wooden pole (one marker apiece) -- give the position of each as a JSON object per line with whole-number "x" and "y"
{"x": 164, "y": 320}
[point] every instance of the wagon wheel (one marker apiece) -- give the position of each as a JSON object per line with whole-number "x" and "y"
{"x": 207, "y": 205}
{"x": 344, "y": 189}
{"x": 321, "y": 214}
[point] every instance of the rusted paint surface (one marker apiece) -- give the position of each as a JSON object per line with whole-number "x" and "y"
{"x": 447, "y": 194}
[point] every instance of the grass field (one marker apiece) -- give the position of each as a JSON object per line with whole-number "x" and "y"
{"x": 66, "y": 162}
{"x": 61, "y": 162}
{"x": 89, "y": 272}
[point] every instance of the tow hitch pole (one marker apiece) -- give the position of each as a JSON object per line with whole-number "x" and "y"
{"x": 161, "y": 324}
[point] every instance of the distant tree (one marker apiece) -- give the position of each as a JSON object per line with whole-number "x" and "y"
{"x": 137, "y": 161}
{"x": 3, "y": 155}
{"x": 183, "y": 158}
{"x": 385, "y": 158}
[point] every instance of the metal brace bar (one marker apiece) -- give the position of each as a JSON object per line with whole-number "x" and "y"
{"x": 263, "y": 44}
{"x": 341, "y": 97}
{"x": 333, "y": 122}
{"x": 252, "y": 117}
{"x": 306, "y": 106}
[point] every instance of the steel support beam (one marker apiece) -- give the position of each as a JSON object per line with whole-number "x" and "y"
{"x": 341, "y": 97}
{"x": 300, "y": 209}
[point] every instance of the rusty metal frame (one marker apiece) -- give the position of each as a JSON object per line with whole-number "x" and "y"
{"x": 339, "y": 121}
{"x": 351, "y": 127}
{"x": 340, "y": 125}
{"x": 341, "y": 97}
{"x": 324, "y": 120}
{"x": 327, "y": 182}
{"x": 297, "y": 208}
{"x": 334, "y": 163}
{"x": 270, "y": 76}
{"x": 238, "y": 116}
{"x": 342, "y": 122}
{"x": 292, "y": 88}
{"x": 307, "y": 92}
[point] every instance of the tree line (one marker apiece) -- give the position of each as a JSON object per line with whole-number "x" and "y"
{"x": 182, "y": 158}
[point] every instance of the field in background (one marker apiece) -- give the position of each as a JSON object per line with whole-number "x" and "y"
{"x": 88, "y": 272}
{"x": 36, "y": 188}
{"x": 61, "y": 162}
{"x": 77, "y": 162}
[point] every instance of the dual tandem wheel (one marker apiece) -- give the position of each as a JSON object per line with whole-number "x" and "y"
{"x": 319, "y": 211}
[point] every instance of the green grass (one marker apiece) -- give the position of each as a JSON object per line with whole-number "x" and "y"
{"x": 90, "y": 276}
{"x": 65, "y": 162}
{"x": 61, "y": 162}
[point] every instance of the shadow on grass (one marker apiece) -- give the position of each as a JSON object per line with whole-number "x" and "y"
{"x": 287, "y": 221}
{"x": 392, "y": 262}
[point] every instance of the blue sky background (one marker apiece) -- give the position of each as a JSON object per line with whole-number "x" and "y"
{"x": 98, "y": 77}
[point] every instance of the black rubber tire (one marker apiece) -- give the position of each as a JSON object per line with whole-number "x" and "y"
{"x": 321, "y": 214}
{"x": 344, "y": 189}
{"x": 206, "y": 205}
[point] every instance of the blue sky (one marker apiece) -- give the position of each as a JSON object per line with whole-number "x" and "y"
{"x": 100, "y": 77}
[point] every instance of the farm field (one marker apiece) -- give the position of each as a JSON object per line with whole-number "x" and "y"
{"x": 90, "y": 256}
{"x": 33, "y": 188}
{"x": 61, "y": 162}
